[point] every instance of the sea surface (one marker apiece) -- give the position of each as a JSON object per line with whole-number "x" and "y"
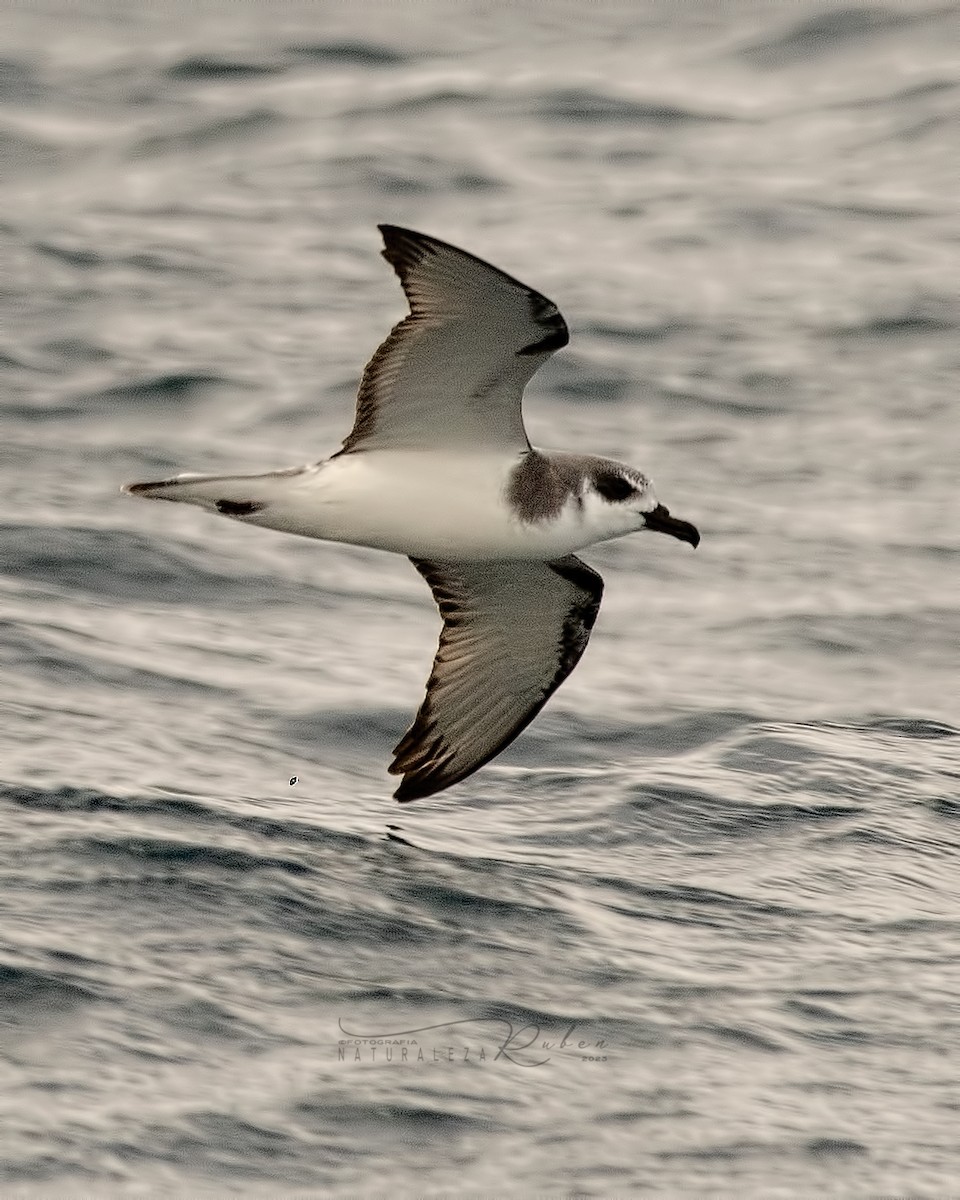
{"x": 697, "y": 933}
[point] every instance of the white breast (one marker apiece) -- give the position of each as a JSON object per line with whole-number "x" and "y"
{"x": 429, "y": 505}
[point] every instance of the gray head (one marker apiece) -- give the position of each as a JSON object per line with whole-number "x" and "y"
{"x": 608, "y": 496}
{"x": 628, "y": 494}
{"x": 624, "y": 487}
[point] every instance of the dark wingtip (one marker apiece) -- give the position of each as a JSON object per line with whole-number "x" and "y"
{"x": 394, "y": 234}
{"x": 417, "y": 782}
{"x": 405, "y": 248}
{"x": 412, "y": 789}
{"x": 422, "y": 774}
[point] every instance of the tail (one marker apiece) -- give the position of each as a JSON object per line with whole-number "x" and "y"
{"x": 231, "y": 495}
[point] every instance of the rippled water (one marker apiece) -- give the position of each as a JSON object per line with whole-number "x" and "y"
{"x": 697, "y": 931}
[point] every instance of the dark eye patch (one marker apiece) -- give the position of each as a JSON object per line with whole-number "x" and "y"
{"x": 613, "y": 486}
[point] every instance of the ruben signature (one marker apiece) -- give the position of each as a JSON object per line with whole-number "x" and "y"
{"x": 528, "y": 1045}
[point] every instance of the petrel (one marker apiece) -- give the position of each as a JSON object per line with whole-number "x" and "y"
{"x": 438, "y": 467}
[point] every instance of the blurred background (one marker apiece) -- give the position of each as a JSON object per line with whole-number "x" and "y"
{"x": 725, "y": 855}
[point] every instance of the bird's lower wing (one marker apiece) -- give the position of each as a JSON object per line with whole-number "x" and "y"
{"x": 512, "y": 632}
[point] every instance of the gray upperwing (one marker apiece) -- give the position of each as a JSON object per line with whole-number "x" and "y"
{"x": 452, "y": 373}
{"x": 512, "y": 633}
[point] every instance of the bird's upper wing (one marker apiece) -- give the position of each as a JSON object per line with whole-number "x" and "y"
{"x": 452, "y": 373}
{"x": 512, "y": 632}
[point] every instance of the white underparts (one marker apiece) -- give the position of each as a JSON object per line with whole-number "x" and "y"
{"x": 421, "y": 503}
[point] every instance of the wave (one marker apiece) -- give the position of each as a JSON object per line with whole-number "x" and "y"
{"x": 585, "y": 105}
{"x": 830, "y": 32}
{"x": 128, "y": 565}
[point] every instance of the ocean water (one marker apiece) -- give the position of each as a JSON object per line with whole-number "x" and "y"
{"x": 698, "y": 931}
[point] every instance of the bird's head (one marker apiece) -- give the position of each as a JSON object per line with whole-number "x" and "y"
{"x": 628, "y": 497}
